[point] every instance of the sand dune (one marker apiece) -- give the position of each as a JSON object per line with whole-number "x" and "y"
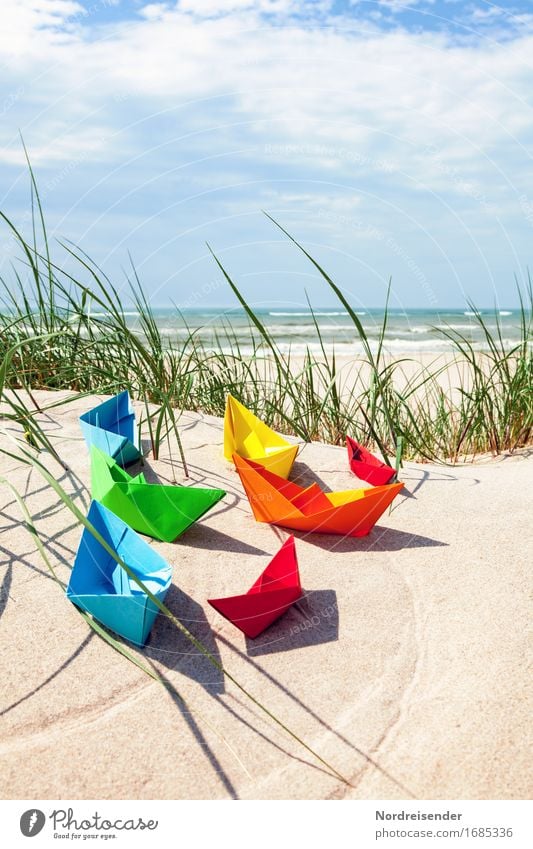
{"x": 404, "y": 665}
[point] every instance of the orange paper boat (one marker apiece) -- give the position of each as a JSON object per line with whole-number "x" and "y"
{"x": 269, "y": 598}
{"x": 350, "y": 513}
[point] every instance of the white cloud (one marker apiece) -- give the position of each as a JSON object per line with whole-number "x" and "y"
{"x": 200, "y": 95}
{"x": 396, "y": 5}
{"x": 28, "y": 25}
{"x": 404, "y": 5}
{"x": 395, "y": 92}
{"x": 69, "y": 148}
{"x": 209, "y": 8}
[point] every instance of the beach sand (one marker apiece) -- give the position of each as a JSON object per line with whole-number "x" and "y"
{"x": 404, "y": 665}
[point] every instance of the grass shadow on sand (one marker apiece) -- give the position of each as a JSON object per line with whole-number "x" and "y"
{"x": 196, "y": 731}
{"x": 5, "y": 586}
{"x": 368, "y": 760}
{"x": 76, "y": 653}
{"x": 169, "y": 647}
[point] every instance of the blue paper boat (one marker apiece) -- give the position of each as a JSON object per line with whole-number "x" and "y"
{"x": 111, "y": 427}
{"x": 99, "y": 585}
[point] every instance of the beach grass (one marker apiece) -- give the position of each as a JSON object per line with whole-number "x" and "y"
{"x": 70, "y": 330}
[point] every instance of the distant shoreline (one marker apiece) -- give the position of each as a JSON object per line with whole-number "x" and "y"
{"x": 415, "y": 384}
{"x": 409, "y": 332}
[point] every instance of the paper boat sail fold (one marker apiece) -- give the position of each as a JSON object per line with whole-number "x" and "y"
{"x": 111, "y": 427}
{"x": 249, "y": 437}
{"x": 277, "y": 501}
{"x": 99, "y": 585}
{"x": 269, "y": 598}
{"x": 367, "y": 467}
{"x": 157, "y": 510}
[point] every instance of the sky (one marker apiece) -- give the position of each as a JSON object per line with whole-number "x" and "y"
{"x": 392, "y": 139}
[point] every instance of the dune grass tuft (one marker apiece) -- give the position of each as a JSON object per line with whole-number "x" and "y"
{"x": 70, "y": 330}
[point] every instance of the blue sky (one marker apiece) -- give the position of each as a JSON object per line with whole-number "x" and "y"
{"x": 391, "y": 138}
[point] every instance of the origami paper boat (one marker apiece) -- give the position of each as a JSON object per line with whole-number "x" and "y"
{"x": 160, "y": 511}
{"x": 269, "y": 598}
{"x": 366, "y": 466}
{"x": 351, "y": 513}
{"x": 249, "y": 437}
{"x": 99, "y": 585}
{"x": 111, "y": 427}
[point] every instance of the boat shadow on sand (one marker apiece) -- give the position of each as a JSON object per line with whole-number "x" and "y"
{"x": 311, "y": 621}
{"x": 379, "y": 539}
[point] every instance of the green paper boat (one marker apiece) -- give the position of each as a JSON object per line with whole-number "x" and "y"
{"x": 159, "y": 511}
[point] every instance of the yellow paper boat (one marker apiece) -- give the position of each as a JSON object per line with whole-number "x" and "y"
{"x": 249, "y": 437}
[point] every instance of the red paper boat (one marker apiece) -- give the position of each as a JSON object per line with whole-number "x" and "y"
{"x": 269, "y": 598}
{"x": 366, "y": 466}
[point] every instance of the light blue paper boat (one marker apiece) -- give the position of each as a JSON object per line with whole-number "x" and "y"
{"x": 99, "y": 585}
{"x": 111, "y": 427}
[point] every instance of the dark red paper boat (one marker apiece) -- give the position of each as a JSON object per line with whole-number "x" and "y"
{"x": 366, "y": 466}
{"x": 269, "y": 598}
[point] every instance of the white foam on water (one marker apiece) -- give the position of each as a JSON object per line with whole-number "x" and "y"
{"x": 104, "y": 314}
{"x": 290, "y": 314}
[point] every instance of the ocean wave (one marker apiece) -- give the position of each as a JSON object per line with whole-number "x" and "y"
{"x": 310, "y": 315}
{"x": 472, "y": 327}
{"x": 353, "y": 348}
{"x": 393, "y": 346}
{"x": 243, "y": 332}
{"x": 462, "y": 326}
{"x": 132, "y": 314}
{"x": 283, "y": 334}
{"x": 502, "y": 312}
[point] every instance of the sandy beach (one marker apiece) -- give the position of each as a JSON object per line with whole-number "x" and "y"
{"x": 405, "y": 664}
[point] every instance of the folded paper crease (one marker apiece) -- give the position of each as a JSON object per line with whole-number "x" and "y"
{"x": 111, "y": 427}
{"x": 246, "y": 435}
{"x": 100, "y": 586}
{"x": 366, "y": 466}
{"x": 157, "y": 510}
{"x": 275, "y": 590}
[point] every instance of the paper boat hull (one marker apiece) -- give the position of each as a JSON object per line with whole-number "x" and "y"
{"x": 273, "y": 500}
{"x": 157, "y": 510}
{"x": 101, "y": 587}
{"x": 279, "y": 462}
{"x": 129, "y": 618}
{"x": 367, "y": 467}
{"x": 252, "y": 616}
{"x": 276, "y": 589}
{"x": 165, "y": 515}
{"x": 246, "y": 435}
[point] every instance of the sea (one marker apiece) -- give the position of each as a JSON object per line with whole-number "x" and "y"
{"x": 408, "y": 331}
